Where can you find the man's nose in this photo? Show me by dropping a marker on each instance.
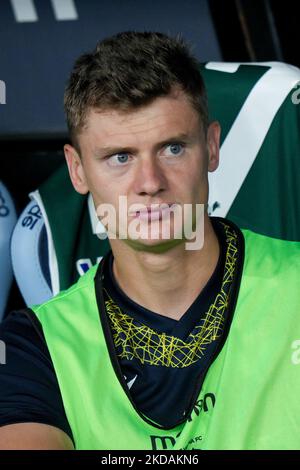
(149, 177)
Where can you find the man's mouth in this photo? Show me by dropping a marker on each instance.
(154, 212)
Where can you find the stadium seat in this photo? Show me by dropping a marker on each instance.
(56, 239)
(8, 219)
(256, 184)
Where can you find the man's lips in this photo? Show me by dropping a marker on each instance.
(154, 212)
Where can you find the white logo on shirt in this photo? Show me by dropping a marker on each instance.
(131, 382)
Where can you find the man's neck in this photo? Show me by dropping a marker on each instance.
(166, 283)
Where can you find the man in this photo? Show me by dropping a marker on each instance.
(160, 346)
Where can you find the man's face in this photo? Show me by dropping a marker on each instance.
(157, 154)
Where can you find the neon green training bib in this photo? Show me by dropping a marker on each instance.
(250, 396)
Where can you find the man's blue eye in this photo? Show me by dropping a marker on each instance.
(122, 157)
(175, 148)
(119, 159)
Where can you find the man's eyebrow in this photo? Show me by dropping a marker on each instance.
(103, 151)
(183, 137)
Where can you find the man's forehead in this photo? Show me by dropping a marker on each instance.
(163, 113)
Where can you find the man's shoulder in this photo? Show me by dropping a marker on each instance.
(271, 255)
(266, 256)
(83, 288)
(269, 243)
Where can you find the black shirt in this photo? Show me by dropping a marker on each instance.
(162, 391)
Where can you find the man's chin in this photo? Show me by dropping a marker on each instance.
(153, 245)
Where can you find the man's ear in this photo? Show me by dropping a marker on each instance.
(213, 145)
(76, 170)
